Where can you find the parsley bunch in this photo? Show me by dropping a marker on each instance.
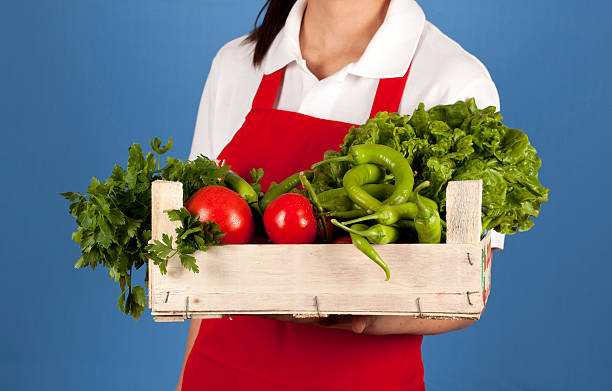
(114, 219)
(191, 235)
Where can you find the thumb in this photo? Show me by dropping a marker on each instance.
(361, 323)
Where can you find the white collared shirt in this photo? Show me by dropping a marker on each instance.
(442, 72)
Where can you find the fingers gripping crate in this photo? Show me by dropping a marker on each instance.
(444, 281)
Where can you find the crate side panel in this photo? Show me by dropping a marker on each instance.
(463, 211)
(286, 278)
(175, 316)
(428, 303)
(165, 195)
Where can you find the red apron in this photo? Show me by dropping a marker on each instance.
(251, 353)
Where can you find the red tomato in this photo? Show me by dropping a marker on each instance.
(226, 208)
(289, 219)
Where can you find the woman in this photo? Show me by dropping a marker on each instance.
(278, 99)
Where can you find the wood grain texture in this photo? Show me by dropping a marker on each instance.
(463, 212)
(166, 319)
(442, 281)
(165, 195)
(286, 278)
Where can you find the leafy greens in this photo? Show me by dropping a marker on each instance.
(457, 142)
(114, 219)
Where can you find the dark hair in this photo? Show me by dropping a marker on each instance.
(273, 21)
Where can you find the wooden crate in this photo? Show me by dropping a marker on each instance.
(443, 281)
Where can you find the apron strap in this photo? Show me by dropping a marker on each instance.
(389, 94)
(266, 93)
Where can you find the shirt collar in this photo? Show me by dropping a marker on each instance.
(397, 38)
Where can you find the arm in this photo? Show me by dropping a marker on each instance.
(389, 324)
(194, 328)
(486, 93)
(381, 324)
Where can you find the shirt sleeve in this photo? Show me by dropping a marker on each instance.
(483, 90)
(485, 93)
(202, 143)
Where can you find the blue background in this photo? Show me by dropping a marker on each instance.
(80, 80)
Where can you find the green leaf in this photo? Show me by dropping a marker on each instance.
(121, 301)
(189, 262)
(513, 147)
(156, 146)
(178, 214)
(115, 217)
(186, 247)
(160, 250)
(201, 244)
(150, 165)
(162, 267)
(85, 220)
(166, 147)
(102, 204)
(105, 235)
(81, 263)
(135, 165)
(140, 297)
(94, 183)
(87, 240)
(132, 307)
(118, 176)
(256, 174)
(189, 232)
(132, 227)
(167, 240)
(70, 196)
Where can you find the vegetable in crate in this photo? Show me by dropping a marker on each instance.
(365, 247)
(353, 182)
(289, 219)
(285, 186)
(242, 187)
(338, 199)
(455, 142)
(378, 233)
(386, 158)
(114, 219)
(427, 223)
(226, 208)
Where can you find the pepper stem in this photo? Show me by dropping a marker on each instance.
(422, 207)
(349, 214)
(421, 186)
(331, 160)
(315, 200)
(347, 229)
(364, 218)
(311, 192)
